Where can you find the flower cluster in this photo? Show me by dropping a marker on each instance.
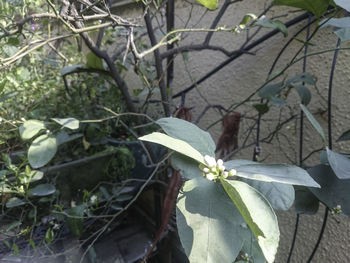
(215, 169)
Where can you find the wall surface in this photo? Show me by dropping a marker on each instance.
(240, 78)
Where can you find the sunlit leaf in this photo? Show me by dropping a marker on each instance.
(210, 4)
(30, 128)
(42, 190)
(317, 7)
(274, 24)
(70, 123)
(42, 150)
(339, 163)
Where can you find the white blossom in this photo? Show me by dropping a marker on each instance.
(210, 176)
(210, 161)
(206, 170)
(232, 172)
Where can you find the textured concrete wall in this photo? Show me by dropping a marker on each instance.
(240, 78)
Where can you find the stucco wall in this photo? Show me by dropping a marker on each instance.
(240, 78)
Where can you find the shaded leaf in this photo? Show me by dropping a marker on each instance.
(210, 4)
(210, 227)
(187, 167)
(344, 137)
(275, 24)
(30, 128)
(190, 133)
(42, 150)
(14, 202)
(174, 144)
(270, 90)
(343, 34)
(63, 137)
(317, 7)
(70, 123)
(305, 201)
(343, 22)
(314, 122)
(261, 108)
(304, 94)
(277, 101)
(42, 190)
(75, 220)
(339, 163)
(71, 69)
(345, 4)
(257, 213)
(93, 61)
(280, 173)
(303, 78)
(333, 191)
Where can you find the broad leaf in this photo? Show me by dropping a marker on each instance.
(277, 101)
(258, 214)
(251, 247)
(42, 150)
(30, 128)
(314, 122)
(280, 173)
(280, 196)
(93, 61)
(174, 144)
(75, 220)
(305, 201)
(70, 123)
(339, 163)
(14, 202)
(270, 90)
(190, 133)
(333, 191)
(304, 94)
(317, 7)
(36, 175)
(210, 227)
(275, 24)
(345, 4)
(187, 167)
(210, 4)
(344, 137)
(42, 190)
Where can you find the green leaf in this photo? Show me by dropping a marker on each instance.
(344, 137)
(210, 4)
(345, 4)
(258, 214)
(42, 150)
(8, 95)
(343, 34)
(30, 128)
(71, 69)
(174, 144)
(301, 79)
(261, 108)
(251, 247)
(304, 94)
(343, 22)
(63, 137)
(49, 236)
(70, 123)
(36, 175)
(187, 167)
(314, 122)
(317, 7)
(280, 196)
(339, 163)
(42, 190)
(210, 227)
(245, 20)
(190, 133)
(333, 191)
(75, 220)
(14, 202)
(270, 90)
(305, 201)
(93, 61)
(280, 173)
(277, 101)
(275, 24)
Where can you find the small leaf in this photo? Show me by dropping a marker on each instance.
(13, 225)
(270, 90)
(343, 22)
(314, 122)
(42, 150)
(258, 214)
(274, 24)
(30, 128)
(339, 163)
(304, 94)
(75, 220)
(174, 144)
(305, 201)
(70, 123)
(344, 137)
(245, 20)
(210, 4)
(14, 202)
(345, 4)
(93, 61)
(49, 236)
(261, 108)
(190, 133)
(42, 190)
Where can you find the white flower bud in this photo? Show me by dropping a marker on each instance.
(213, 169)
(210, 161)
(232, 172)
(220, 162)
(225, 174)
(206, 170)
(210, 176)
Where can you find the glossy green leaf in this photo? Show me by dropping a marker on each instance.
(305, 201)
(42, 150)
(187, 167)
(70, 123)
(75, 220)
(270, 90)
(42, 190)
(280, 173)
(333, 191)
(93, 61)
(174, 144)
(30, 128)
(14, 202)
(314, 122)
(345, 4)
(304, 94)
(280, 196)
(344, 137)
(210, 4)
(210, 227)
(190, 133)
(258, 214)
(274, 24)
(317, 7)
(339, 163)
